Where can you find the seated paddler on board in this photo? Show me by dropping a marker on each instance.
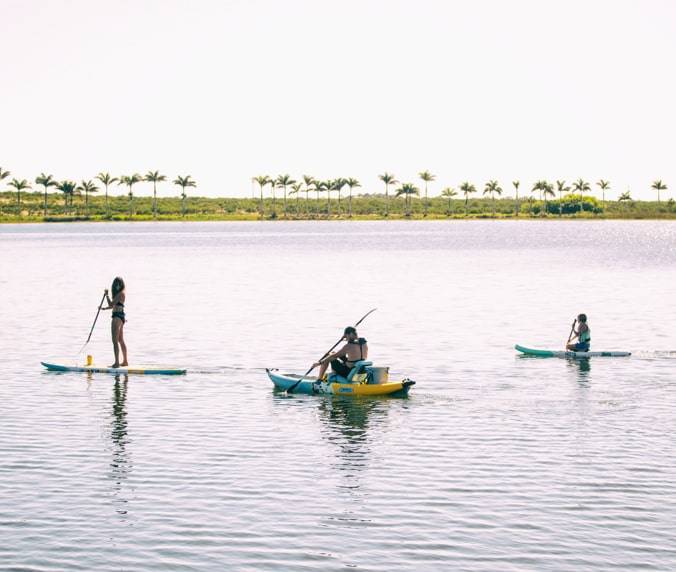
(342, 361)
(582, 333)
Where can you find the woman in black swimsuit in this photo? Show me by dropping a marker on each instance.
(116, 304)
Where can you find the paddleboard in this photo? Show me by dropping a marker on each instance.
(568, 354)
(138, 370)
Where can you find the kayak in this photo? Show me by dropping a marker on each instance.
(139, 370)
(311, 385)
(568, 354)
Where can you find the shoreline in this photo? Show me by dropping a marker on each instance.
(359, 218)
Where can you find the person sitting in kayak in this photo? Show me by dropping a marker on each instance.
(342, 361)
(583, 335)
(116, 304)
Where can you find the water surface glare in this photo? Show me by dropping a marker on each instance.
(494, 462)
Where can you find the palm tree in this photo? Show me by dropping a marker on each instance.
(467, 188)
(624, 198)
(449, 193)
(284, 181)
(309, 182)
(562, 189)
(492, 188)
(184, 182)
(107, 180)
(68, 190)
(272, 182)
(516, 185)
(547, 190)
(87, 187)
(320, 187)
(604, 186)
(296, 188)
(352, 183)
(408, 190)
(46, 181)
(658, 186)
(154, 177)
(338, 185)
(581, 186)
(4, 174)
(388, 179)
(130, 181)
(427, 177)
(328, 186)
(21, 185)
(262, 180)
(537, 187)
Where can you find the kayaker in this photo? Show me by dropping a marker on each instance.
(116, 304)
(343, 360)
(583, 335)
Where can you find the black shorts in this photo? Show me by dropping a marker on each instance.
(340, 368)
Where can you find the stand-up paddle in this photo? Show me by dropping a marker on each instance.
(290, 390)
(570, 336)
(89, 337)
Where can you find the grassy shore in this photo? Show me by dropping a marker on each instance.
(363, 207)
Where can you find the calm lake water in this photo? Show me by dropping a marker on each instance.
(494, 462)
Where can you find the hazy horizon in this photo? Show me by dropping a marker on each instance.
(224, 91)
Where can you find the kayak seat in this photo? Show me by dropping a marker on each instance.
(355, 374)
(358, 369)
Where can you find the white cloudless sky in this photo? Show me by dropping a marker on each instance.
(225, 90)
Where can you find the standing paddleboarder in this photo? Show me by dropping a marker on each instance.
(116, 304)
(582, 333)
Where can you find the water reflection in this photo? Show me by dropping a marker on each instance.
(350, 425)
(119, 465)
(581, 368)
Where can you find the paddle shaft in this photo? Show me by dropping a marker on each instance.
(89, 337)
(328, 352)
(572, 329)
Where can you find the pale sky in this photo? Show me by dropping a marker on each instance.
(225, 90)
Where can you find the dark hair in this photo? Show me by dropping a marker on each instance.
(350, 330)
(582, 318)
(117, 287)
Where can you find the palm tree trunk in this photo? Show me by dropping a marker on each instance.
(387, 200)
(284, 201)
(350, 204)
(426, 203)
(493, 203)
(45, 200)
(154, 200)
(107, 208)
(328, 203)
(466, 198)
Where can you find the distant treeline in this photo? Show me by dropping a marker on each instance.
(360, 207)
(310, 198)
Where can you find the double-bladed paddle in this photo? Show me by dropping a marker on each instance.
(89, 337)
(328, 352)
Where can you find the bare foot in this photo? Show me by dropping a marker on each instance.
(124, 364)
(115, 365)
